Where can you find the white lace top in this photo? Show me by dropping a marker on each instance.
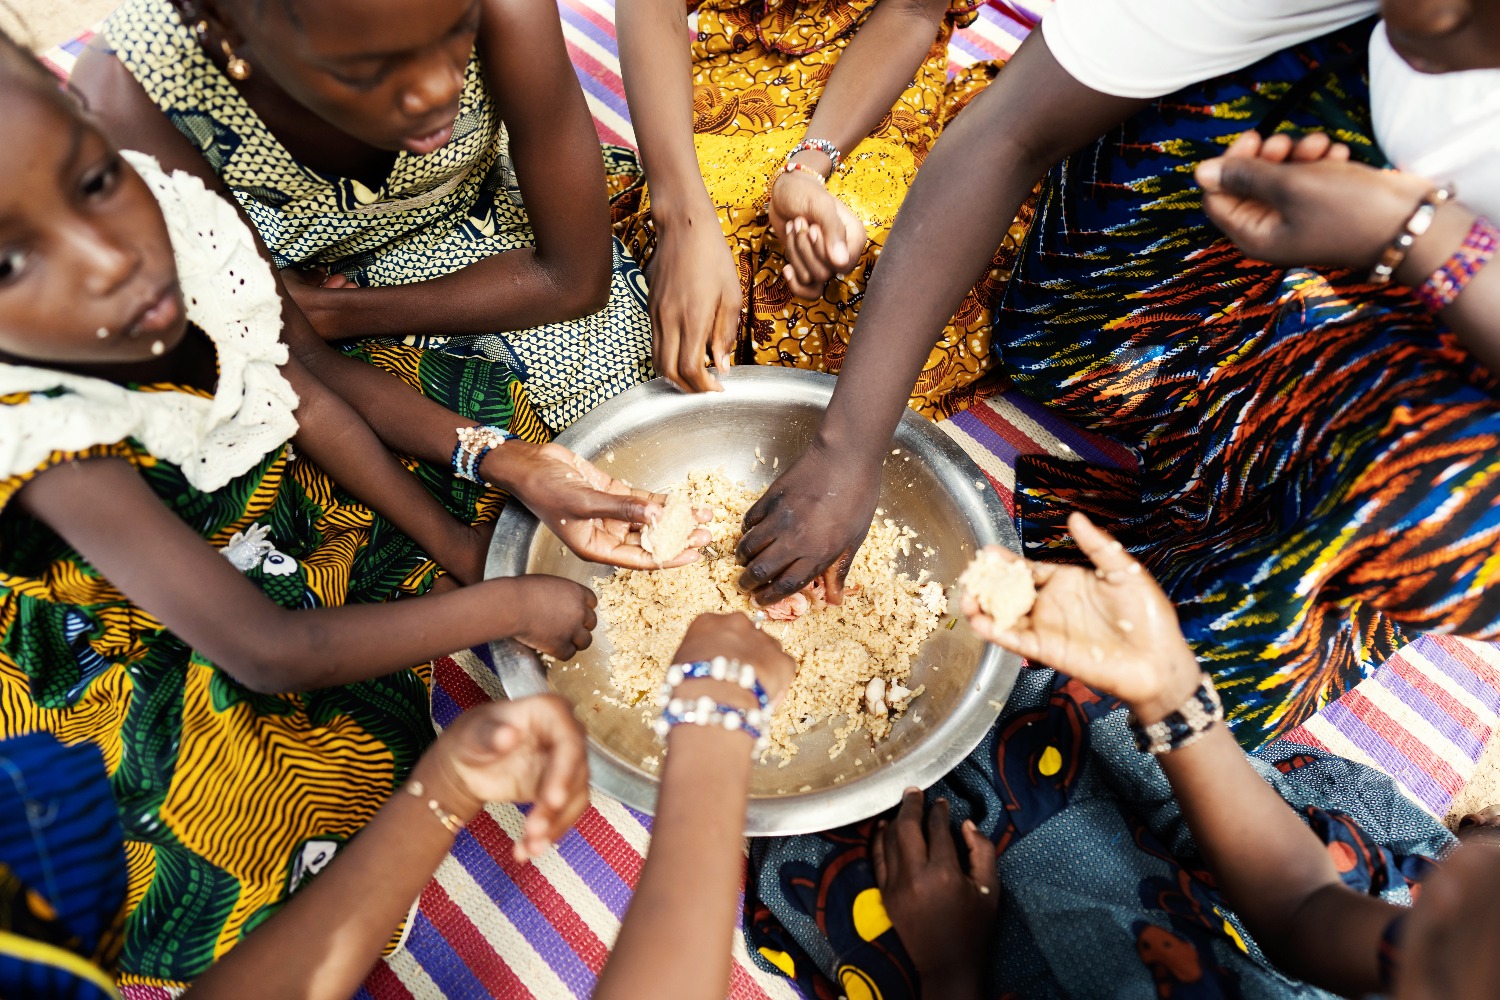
(231, 295)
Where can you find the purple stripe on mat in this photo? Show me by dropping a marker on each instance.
(1460, 673)
(452, 975)
(444, 708)
(597, 88)
(640, 817)
(596, 873)
(586, 24)
(1431, 713)
(534, 926)
(1391, 760)
(968, 421)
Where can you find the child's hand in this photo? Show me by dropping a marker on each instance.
(1304, 203)
(695, 302)
(1111, 627)
(734, 636)
(942, 915)
(820, 236)
(596, 515)
(557, 615)
(531, 750)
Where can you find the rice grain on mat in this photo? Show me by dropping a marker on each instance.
(839, 650)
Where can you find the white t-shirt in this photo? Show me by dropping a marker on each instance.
(1443, 126)
(1150, 48)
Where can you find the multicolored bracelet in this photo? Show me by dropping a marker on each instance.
(828, 149)
(805, 169)
(473, 444)
(1444, 284)
(1417, 223)
(1183, 727)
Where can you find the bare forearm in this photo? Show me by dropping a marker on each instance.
(309, 649)
(514, 290)
(1473, 315)
(873, 71)
(676, 937)
(954, 216)
(656, 63)
(1274, 871)
(319, 947)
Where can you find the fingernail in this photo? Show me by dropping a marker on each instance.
(1209, 172)
(801, 225)
(969, 826)
(786, 272)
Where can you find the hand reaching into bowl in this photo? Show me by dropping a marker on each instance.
(596, 515)
(1111, 627)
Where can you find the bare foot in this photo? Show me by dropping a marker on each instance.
(1482, 825)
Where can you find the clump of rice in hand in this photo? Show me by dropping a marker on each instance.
(854, 660)
(668, 537)
(1002, 587)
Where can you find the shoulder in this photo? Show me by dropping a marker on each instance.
(1150, 48)
(85, 469)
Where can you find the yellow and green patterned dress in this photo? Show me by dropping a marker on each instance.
(759, 69)
(229, 799)
(433, 215)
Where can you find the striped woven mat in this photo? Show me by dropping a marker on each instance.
(487, 927)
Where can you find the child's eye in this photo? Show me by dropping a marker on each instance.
(361, 82)
(12, 263)
(98, 183)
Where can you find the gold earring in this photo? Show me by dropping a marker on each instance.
(238, 68)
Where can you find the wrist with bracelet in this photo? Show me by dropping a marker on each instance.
(1416, 225)
(828, 149)
(1451, 277)
(1183, 726)
(707, 711)
(474, 443)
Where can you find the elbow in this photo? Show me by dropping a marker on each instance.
(273, 661)
(582, 291)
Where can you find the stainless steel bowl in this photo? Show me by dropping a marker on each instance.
(652, 436)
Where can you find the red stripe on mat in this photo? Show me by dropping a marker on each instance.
(470, 945)
(383, 982)
(606, 840)
(1403, 739)
(1459, 650)
(742, 986)
(1437, 694)
(448, 675)
(542, 893)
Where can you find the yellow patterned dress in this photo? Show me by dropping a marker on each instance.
(229, 799)
(758, 71)
(433, 215)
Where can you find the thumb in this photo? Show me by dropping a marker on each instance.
(981, 859)
(824, 214)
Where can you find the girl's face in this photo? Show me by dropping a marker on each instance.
(388, 73)
(86, 269)
(1444, 36)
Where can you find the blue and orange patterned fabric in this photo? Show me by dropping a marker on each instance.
(1101, 889)
(1319, 459)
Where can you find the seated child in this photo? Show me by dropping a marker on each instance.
(779, 139)
(1097, 869)
(198, 540)
(675, 940)
(63, 881)
(421, 172)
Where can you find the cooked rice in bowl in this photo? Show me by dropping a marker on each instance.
(854, 660)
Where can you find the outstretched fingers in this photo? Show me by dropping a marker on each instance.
(1111, 561)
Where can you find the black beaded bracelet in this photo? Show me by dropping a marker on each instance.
(1182, 727)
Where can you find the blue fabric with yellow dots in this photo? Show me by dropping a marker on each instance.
(1101, 889)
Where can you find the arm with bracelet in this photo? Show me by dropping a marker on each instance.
(676, 937)
(1305, 204)
(820, 237)
(1272, 869)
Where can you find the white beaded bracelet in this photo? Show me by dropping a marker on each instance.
(704, 711)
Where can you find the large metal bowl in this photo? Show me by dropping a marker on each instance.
(652, 436)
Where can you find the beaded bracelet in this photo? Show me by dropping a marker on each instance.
(1444, 284)
(704, 711)
(828, 149)
(805, 169)
(1417, 223)
(1183, 727)
(473, 444)
(720, 669)
(450, 821)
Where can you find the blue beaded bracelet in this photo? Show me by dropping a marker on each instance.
(704, 711)
(719, 668)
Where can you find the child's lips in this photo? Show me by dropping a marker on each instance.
(421, 145)
(161, 315)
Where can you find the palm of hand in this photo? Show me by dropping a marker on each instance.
(1106, 631)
